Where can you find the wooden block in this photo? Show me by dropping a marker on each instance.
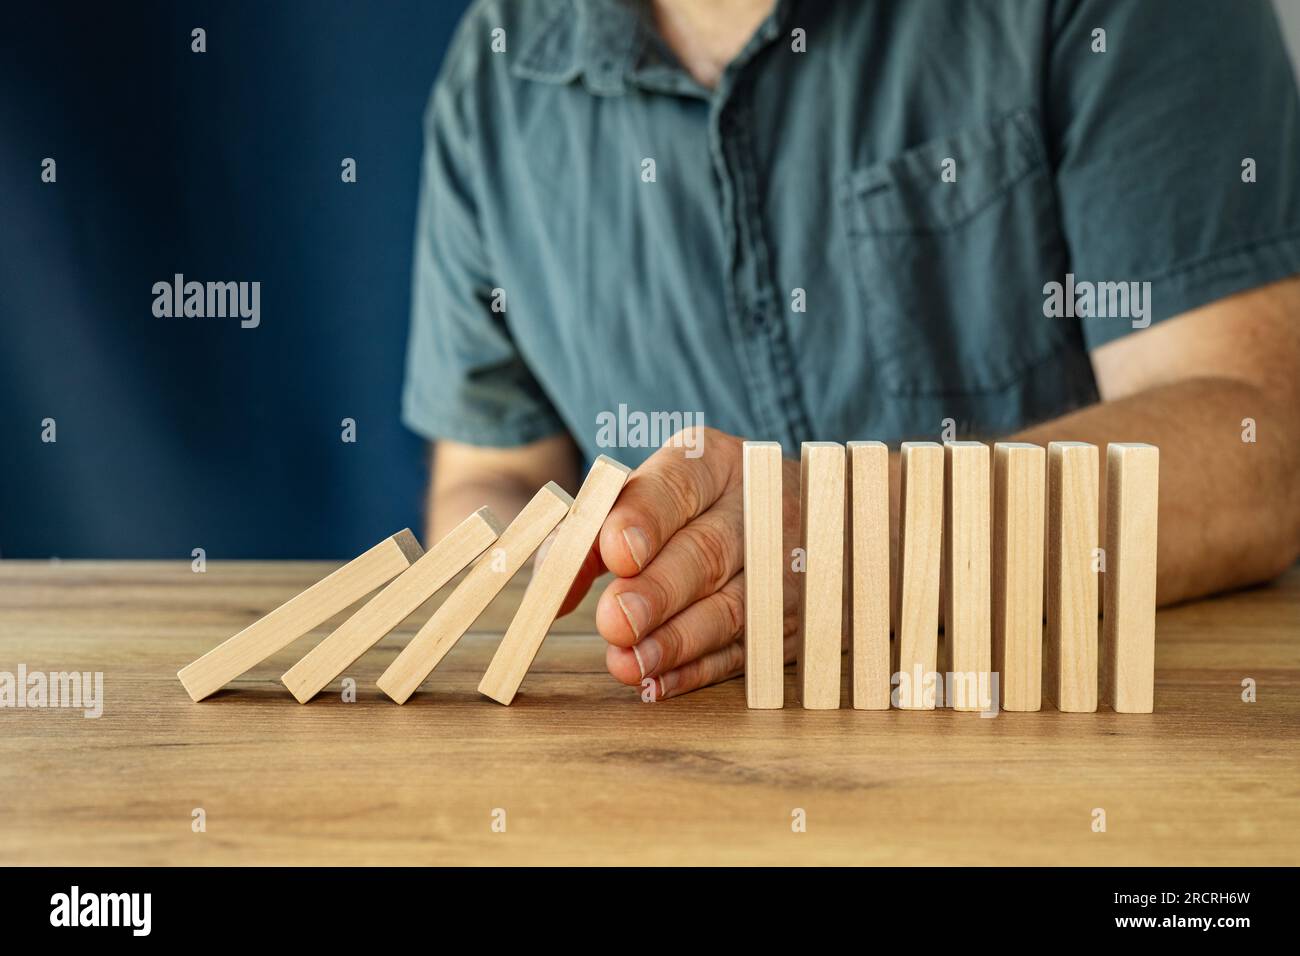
(300, 614)
(868, 489)
(1128, 644)
(464, 605)
(967, 648)
(916, 587)
(1070, 645)
(764, 576)
(1019, 503)
(391, 606)
(821, 586)
(551, 582)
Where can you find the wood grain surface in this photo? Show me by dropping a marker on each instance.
(587, 772)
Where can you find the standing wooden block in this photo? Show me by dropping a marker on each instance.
(1019, 502)
(764, 576)
(821, 591)
(1070, 647)
(916, 587)
(551, 582)
(464, 605)
(300, 614)
(868, 483)
(1128, 645)
(967, 647)
(391, 606)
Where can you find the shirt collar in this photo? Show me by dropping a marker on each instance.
(603, 43)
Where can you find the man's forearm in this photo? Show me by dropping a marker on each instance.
(1228, 507)
(466, 478)
(450, 504)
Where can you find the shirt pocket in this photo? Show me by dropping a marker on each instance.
(950, 274)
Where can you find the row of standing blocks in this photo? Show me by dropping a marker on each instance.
(1003, 535)
(984, 534)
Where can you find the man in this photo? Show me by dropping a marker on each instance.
(1052, 220)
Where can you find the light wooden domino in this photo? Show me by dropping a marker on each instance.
(764, 576)
(300, 614)
(821, 604)
(1070, 645)
(916, 588)
(868, 491)
(472, 596)
(967, 651)
(1128, 644)
(1019, 503)
(551, 582)
(328, 659)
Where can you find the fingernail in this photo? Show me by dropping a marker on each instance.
(648, 655)
(667, 684)
(638, 544)
(636, 610)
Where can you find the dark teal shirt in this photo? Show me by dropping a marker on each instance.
(852, 236)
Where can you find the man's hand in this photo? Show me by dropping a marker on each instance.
(676, 540)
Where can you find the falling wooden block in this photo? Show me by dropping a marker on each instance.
(1128, 644)
(1019, 494)
(916, 588)
(472, 596)
(1070, 646)
(967, 649)
(300, 614)
(764, 576)
(868, 490)
(821, 603)
(391, 606)
(551, 581)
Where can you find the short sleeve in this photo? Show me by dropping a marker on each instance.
(465, 379)
(1177, 150)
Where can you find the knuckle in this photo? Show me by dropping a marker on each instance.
(691, 675)
(675, 645)
(681, 484)
(731, 609)
(722, 664)
(710, 550)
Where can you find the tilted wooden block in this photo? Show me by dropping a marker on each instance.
(300, 614)
(868, 489)
(1128, 644)
(391, 606)
(967, 648)
(1070, 646)
(764, 576)
(551, 581)
(1019, 502)
(472, 596)
(821, 604)
(916, 588)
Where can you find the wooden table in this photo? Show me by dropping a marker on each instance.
(587, 773)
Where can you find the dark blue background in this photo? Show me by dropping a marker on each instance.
(186, 432)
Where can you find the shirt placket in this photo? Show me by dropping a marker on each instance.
(754, 302)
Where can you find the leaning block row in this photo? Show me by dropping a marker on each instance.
(410, 576)
(1000, 539)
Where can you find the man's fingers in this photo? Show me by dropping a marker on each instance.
(717, 666)
(705, 626)
(695, 563)
(664, 494)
